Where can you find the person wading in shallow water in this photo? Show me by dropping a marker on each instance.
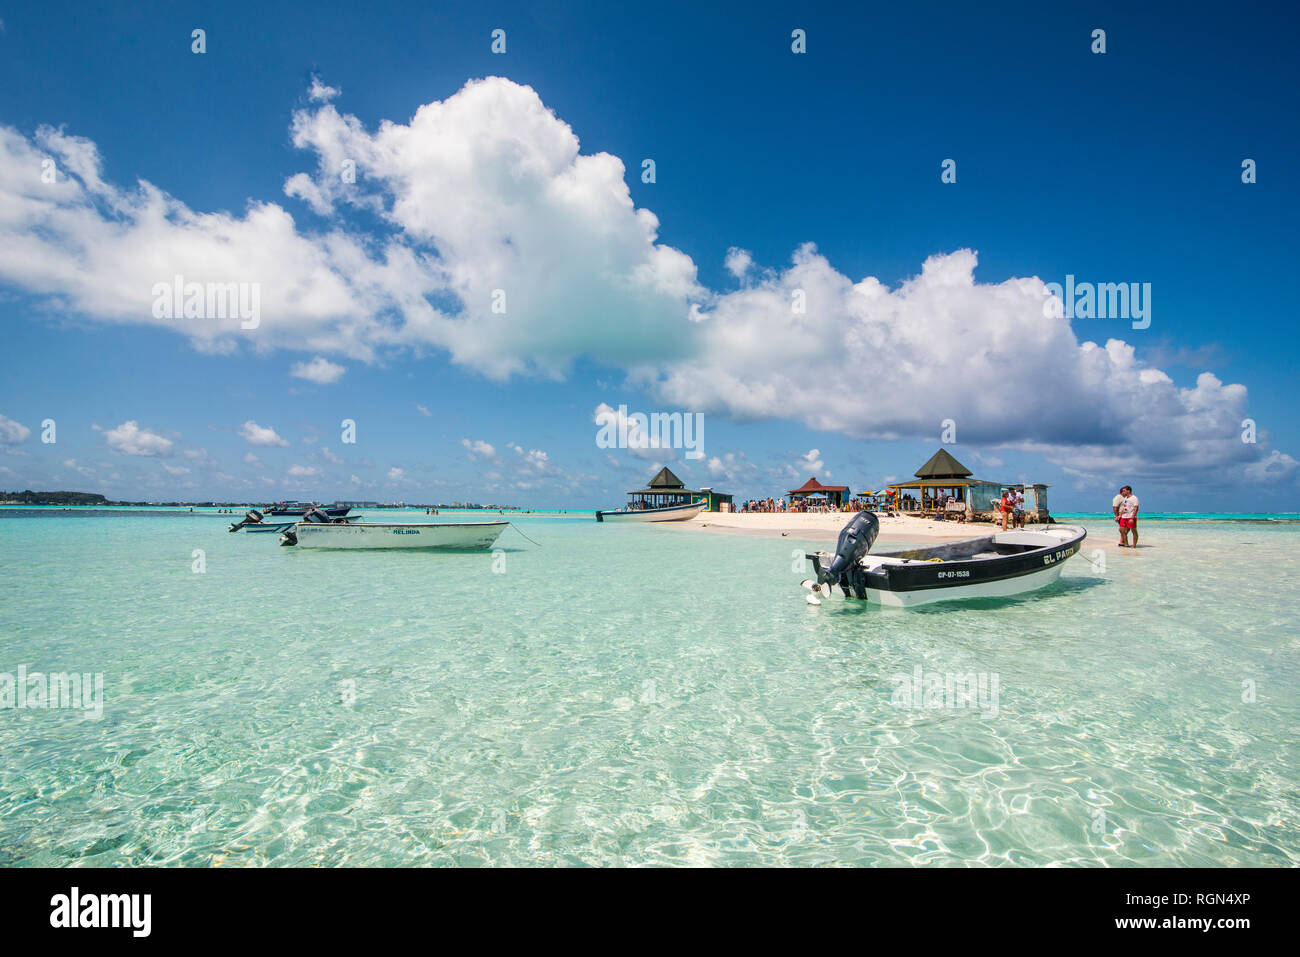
(1128, 516)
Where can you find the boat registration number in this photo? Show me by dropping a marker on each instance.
(965, 574)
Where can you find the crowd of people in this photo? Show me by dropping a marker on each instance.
(802, 505)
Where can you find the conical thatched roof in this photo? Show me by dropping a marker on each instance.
(666, 479)
(942, 465)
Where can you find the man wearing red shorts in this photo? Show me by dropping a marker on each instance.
(1128, 516)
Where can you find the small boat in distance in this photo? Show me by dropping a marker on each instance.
(480, 535)
(298, 509)
(991, 566)
(667, 499)
(669, 513)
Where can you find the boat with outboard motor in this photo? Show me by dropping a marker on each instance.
(297, 510)
(670, 513)
(340, 533)
(255, 521)
(267, 527)
(991, 566)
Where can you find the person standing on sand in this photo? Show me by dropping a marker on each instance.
(1128, 517)
(1114, 507)
(1005, 506)
(1018, 506)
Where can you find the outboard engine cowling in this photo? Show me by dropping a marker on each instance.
(254, 517)
(317, 516)
(856, 539)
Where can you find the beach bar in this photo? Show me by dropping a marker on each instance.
(835, 495)
(944, 476)
(665, 489)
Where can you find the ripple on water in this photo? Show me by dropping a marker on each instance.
(636, 696)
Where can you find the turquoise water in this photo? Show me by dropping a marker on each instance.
(637, 695)
(1190, 516)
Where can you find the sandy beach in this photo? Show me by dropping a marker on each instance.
(825, 526)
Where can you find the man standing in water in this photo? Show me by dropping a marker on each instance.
(1127, 511)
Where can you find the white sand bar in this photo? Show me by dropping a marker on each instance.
(825, 526)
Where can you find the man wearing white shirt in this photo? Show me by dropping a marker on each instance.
(1114, 507)
(1128, 516)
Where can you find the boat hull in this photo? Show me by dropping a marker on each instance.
(994, 588)
(674, 513)
(458, 535)
(994, 566)
(269, 527)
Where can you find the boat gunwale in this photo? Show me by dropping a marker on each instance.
(399, 524)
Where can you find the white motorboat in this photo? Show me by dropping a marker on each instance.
(991, 566)
(671, 513)
(394, 535)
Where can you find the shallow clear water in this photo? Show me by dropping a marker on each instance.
(637, 695)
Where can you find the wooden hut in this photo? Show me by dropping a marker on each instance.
(665, 489)
(835, 494)
(944, 476)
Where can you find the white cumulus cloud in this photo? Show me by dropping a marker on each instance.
(479, 449)
(319, 370)
(260, 435)
(508, 249)
(130, 439)
(11, 432)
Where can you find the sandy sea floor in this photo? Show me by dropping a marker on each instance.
(641, 694)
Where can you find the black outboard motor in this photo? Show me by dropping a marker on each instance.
(317, 516)
(254, 517)
(856, 539)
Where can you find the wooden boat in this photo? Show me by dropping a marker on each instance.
(394, 535)
(670, 513)
(991, 566)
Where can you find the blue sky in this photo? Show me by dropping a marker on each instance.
(1118, 167)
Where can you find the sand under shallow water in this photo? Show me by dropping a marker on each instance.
(641, 694)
